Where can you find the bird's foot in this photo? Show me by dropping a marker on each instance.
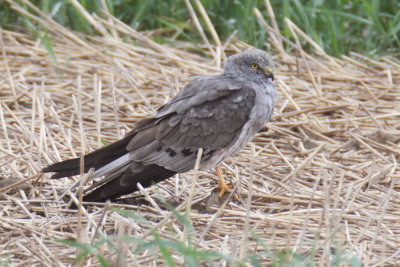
(224, 188)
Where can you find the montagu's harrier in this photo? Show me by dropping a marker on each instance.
(219, 113)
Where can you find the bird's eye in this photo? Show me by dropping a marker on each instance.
(254, 66)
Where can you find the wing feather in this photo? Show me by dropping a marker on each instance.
(209, 113)
(213, 125)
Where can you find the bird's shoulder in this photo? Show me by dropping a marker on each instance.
(200, 90)
(212, 120)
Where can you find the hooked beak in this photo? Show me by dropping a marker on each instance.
(269, 73)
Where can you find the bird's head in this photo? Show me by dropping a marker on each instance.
(254, 64)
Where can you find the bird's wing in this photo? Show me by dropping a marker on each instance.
(199, 91)
(168, 143)
(213, 124)
(208, 114)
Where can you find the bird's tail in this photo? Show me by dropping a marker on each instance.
(125, 181)
(96, 159)
(121, 174)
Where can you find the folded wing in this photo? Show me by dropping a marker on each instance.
(207, 113)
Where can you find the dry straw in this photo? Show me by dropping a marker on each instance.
(324, 170)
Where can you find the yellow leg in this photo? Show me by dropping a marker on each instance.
(223, 187)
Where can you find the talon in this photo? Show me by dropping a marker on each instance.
(223, 187)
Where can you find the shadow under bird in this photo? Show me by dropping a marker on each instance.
(218, 113)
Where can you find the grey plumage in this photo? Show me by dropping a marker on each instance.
(219, 113)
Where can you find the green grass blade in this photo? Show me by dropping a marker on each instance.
(166, 254)
(48, 45)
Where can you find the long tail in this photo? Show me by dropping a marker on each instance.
(121, 174)
(126, 182)
(95, 159)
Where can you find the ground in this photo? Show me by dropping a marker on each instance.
(320, 182)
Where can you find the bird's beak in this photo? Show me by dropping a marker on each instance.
(268, 72)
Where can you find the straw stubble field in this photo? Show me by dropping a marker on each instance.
(322, 177)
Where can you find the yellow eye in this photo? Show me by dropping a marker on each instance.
(254, 66)
(269, 70)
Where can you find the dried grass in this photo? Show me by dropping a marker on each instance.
(325, 173)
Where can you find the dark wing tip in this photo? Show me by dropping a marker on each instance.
(48, 168)
(63, 169)
(127, 183)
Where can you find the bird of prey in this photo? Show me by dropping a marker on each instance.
(218, 113)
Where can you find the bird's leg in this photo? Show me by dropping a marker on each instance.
(223, 187)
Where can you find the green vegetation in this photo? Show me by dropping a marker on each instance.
(191, 254)
(7, 261)
(369, 27)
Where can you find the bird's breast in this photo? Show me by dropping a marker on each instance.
(264, 103)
